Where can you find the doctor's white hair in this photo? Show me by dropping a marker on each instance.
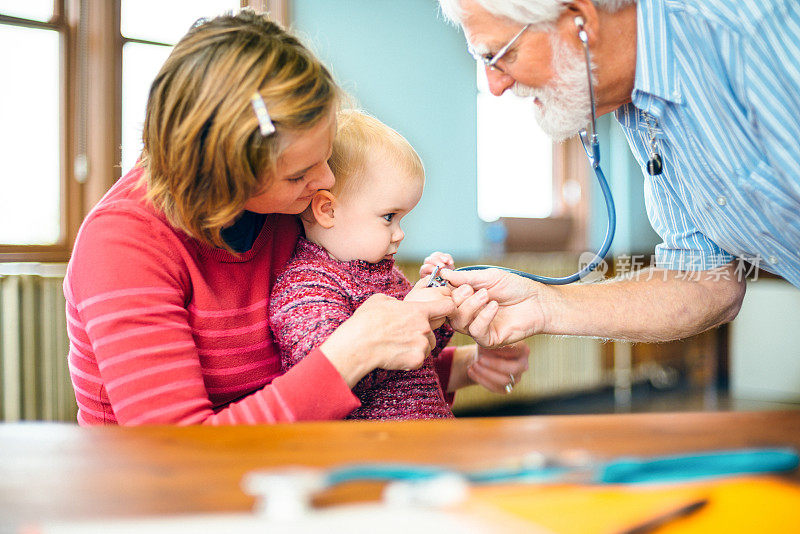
(538, 13)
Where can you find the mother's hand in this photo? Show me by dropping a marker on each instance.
(384, 333)
(422, 293)
(499, 369)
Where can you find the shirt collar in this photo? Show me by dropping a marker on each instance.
(656, 75)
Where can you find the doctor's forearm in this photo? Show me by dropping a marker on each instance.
(654, 305)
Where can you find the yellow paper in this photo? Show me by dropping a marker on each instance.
(754, 504)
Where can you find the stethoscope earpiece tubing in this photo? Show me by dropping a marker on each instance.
(599, 256)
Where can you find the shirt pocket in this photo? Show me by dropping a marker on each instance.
(772, 202)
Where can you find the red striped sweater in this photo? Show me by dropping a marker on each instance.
(165, 330)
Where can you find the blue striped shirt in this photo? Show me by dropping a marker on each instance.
(719, 83)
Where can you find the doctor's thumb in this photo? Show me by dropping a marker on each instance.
(476, 279)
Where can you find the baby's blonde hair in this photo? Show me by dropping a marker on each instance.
(204, 154)
(358, 135)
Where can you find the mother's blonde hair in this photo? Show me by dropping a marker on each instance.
(203, 150)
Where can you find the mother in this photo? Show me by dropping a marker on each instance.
(167, 289)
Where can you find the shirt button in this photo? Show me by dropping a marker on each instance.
(722, 200)
(773, 260)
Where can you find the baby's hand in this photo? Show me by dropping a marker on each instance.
(421, 293)
(437, 259)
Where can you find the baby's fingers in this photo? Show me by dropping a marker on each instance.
(440, 259)
(426, 269)
(446, 261)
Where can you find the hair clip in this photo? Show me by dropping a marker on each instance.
(264, 121)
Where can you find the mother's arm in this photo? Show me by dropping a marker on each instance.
(308, 306)
(128, 296)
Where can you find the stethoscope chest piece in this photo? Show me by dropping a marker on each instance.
(655, 165)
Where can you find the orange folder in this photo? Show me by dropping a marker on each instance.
(747, 504)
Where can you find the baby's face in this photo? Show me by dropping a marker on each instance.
(367, 221)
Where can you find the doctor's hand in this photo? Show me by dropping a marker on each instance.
(496, 307)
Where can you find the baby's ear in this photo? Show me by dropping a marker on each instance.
(322, 207)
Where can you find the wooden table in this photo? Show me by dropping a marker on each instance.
(56, 471)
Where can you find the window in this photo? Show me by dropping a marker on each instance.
(33, 38)
(30, 206)
(529, 189)
(514, 155)
(76, 74)
(147, 41)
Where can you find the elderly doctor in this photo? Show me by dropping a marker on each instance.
(708, 95)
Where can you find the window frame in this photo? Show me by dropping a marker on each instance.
(91, 113)
(70, 191)
(565, 229)
(92, 50)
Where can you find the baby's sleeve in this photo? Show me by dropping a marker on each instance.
(443, 335)
(306, 306)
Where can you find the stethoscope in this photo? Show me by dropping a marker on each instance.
(279, 490)
(591, 146)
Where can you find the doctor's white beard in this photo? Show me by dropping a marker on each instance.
(565, 103)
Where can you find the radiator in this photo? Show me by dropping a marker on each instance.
(558, 366)
(35, 382)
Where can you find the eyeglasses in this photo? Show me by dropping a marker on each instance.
(491, 60)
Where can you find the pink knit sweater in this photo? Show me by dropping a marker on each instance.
(316, 294)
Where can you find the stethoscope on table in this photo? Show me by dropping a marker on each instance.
(591, 146)
(283, 489)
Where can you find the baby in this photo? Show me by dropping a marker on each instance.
(352, 233)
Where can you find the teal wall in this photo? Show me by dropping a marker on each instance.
(408, 67)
